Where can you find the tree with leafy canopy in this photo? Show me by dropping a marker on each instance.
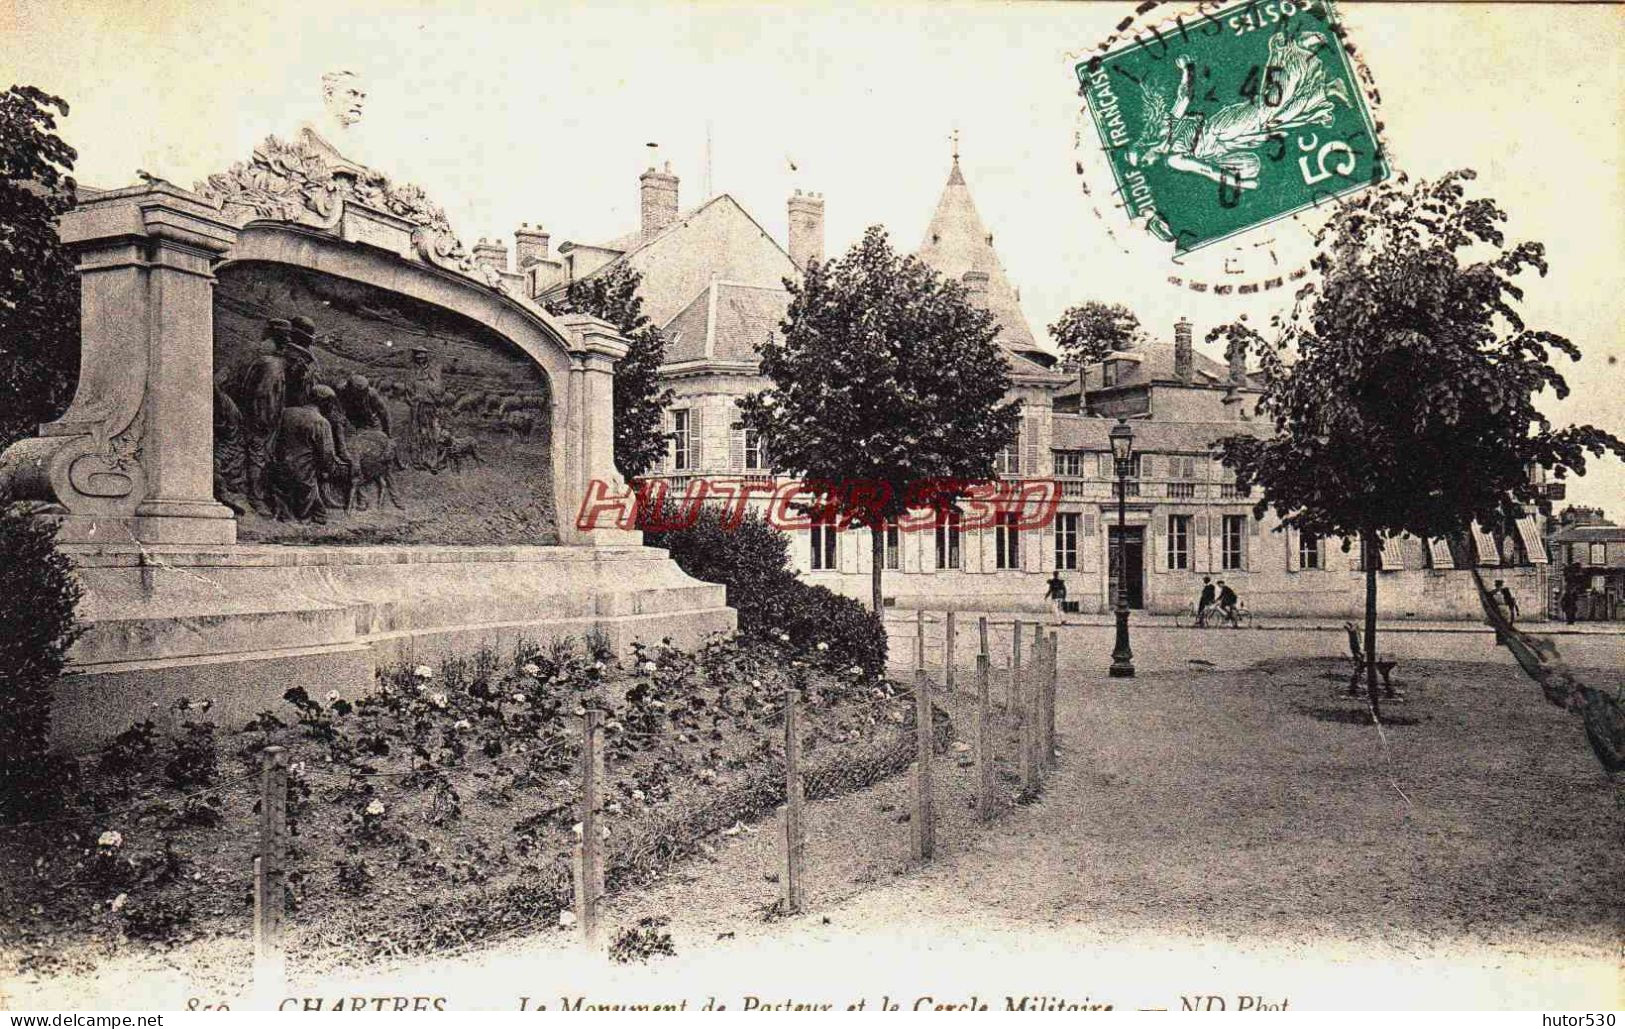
(39, 289)
(1402, 386)
(1091, 331)
(884, 374)
(612, 295)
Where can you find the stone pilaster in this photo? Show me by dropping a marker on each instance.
(590, 452)
(133, 457)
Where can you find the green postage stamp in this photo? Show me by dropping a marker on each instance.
(1232, 120)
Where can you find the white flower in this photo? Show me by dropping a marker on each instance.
(461, 723)
(376, 808)
(650, 667)
(576, 829)
(532, 670)
(566, 919)
(112, 839)
(857, 669)
(332, 696)
(518, 698)
(423, 672)
(437, 699)
(784, 637)
(756, 684)
(119, 902)
(823, 646)
(598, 665)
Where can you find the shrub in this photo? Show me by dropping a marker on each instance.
(752, 560)
(38, 594)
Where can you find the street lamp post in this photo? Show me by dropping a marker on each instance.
(1122, 440)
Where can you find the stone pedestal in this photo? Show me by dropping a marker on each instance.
(132, 460)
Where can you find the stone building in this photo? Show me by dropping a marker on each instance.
(712, 278)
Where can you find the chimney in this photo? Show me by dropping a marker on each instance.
(976, 286)
(1184, 360)
(658, 190)
(491, 255)
(806, 228)
(1237, 354)
(529, 245)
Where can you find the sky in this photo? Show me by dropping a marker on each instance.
(515, 110)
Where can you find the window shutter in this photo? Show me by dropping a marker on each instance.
(864, 557)
(1354, 555)
(1159, 554)
(1106, 469)
(1031, 555)
(1148, 466)
(1029, 432)
(1292, 543)
(987, 543)
(668, 421)
(736, 449)
(695, 454)
(1088, 543)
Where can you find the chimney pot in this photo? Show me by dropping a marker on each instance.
(658, 193)
(530, 245)
(491, 255)
(806, 228)
(975, 284)
(1184, 358)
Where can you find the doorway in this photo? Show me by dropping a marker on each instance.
(1126, 543)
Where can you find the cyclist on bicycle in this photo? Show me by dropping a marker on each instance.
(1227, 604)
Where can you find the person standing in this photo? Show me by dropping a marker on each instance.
(304, 457)
(1056, 594)
(1204, 601)
(1504, 596)
(261, 391)
(424, 394)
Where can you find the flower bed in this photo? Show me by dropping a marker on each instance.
(441, 809)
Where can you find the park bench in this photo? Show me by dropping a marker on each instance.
(1386, 663)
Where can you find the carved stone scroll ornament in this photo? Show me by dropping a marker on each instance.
(306, 181)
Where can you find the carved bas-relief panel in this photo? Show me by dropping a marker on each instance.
(345, 413)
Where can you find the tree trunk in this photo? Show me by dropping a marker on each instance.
(1369, 553)
(877, 541)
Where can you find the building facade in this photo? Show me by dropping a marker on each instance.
(713, 279)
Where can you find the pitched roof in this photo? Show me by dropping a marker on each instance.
(1591, 534)
(726, 322)
(957, 242)
(1085, 432)
(718, 240)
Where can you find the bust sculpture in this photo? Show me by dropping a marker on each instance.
(344, 99)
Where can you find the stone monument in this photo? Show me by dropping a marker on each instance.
(300, 335)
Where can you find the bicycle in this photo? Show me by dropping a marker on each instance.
(1186, 618)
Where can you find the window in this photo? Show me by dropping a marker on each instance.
(1179, 542)
(1235, 542)
(1069, 463)
(823, 543)
(1108, 373)
(1181, 466)
(1598, 555)
(1066, 542)
(948, 534)
(753, 451)
(1309, 551)
(681, 456)
(1009, 460)
(893, 552)
(1007, 541)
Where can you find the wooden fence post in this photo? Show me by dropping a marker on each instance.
(985, 774)
(1054, 677)
(589, 866)
(948, 654)
(794, 824)
(922, 823)
(919, 641)
(981, 630)
(1027, 739)
(1015, 666)
(270, 963)
(1038, 693)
